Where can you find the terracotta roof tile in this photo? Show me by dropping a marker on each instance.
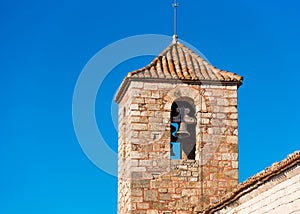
(179, 62)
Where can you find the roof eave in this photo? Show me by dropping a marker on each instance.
(122, 90)
(126, 82)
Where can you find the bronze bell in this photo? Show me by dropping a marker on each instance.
(183, 131)
(184, 119)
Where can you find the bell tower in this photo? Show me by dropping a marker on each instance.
(178, 134)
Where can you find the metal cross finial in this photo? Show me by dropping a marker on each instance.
(175, 5)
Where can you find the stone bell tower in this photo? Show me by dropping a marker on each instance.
(178, 134)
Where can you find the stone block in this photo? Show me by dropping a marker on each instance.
(136, 199)
(152, 212)
(147, 113)
(217, 122)
(147, 147)
(135, 113)
(145, 163)
(234, 148)
(233, 116)
(133, 162)
(143, 206)
(181, 212)
(157, 126)
(138, 155)
(231, 174)
(185, 173)
(230, 93)
(134, 106)
(155, 119)
(153, 107)
(233, 101)
(195, 174)
(150, 100)
(231, 87)
(140, 183)
(139, 126)
(205, 121)
(221, 115)
(135, 84)
(224, 148)
(233, 123)
(137, 175)
(134, 92)
(193, 179)
(138, 169)
(155, 94)
(228, 157)
(150, 86)
(232, 139)
(162, 190)
(182, 167)
(138, 100)
(145, 94)
(222, 102)
(158, 206)
(164, 196)
(134, 134)
(139, 212)
(136, 192)
(151, 195)
(218, 93)
(230, 109)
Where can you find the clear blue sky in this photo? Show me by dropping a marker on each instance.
(44, 46)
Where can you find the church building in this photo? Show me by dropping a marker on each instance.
(178, 143)
(178, 134)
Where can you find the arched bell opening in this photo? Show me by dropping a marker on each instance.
(183, 129)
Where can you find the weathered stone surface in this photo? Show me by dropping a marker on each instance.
(151, 195)
(143, 206)
(140, 183)
(150, 86)
(164, 196)
(139, 212)
(152, 212)
(280, 195)
(136, 192)
(152, 183)
(137, 84)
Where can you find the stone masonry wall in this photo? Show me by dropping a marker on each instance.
(281, 194)
(151, 183)
(124, 150)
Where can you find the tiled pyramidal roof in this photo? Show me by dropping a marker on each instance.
(180, 63)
